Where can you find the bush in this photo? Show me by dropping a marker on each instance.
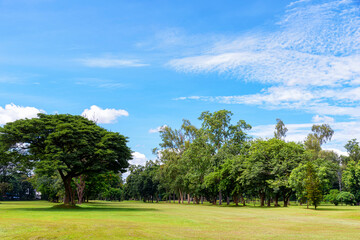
(346, 197)
(113, 194)
(332, 197)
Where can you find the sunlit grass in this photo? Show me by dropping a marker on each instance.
(136, 220)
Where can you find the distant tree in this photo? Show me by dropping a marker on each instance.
(351, 179)
(312, 185)
(312, 144)
(285, 157)
(71, 145)
(224, 137)
(280, 130)
(133, 181)
(353, 150)
(258, 169)
(322, 132)
(332, 197)
(50, 187)
(346, 197)
(326, 173)
(198, 160)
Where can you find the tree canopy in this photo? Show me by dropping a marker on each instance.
(71, 145)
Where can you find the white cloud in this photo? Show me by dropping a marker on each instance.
(12, 112)
(339, 152)
(322, 119)
(111, 62)
(108, 115)
(158, 129)
(138, 159)
(312, 60)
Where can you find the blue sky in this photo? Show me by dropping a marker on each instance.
(135, 66)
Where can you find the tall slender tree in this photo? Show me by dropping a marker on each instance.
(280, 130)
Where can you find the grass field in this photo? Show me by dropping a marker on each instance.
(135, 220)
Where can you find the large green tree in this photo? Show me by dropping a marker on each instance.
(71, 145)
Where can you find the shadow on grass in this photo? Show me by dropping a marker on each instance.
(59, 208)
(334, 209)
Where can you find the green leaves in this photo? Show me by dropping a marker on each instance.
(71, 145)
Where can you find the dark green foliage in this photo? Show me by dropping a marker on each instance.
(71, 145)
(351, 179)
(143, 182)
(50, 187)
(113, 194)
(332, 197)
(346, 198)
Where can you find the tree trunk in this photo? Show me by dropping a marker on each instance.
(80, 187)
(277, 200)
(339, 179)
(181, 197)
(243, 200)
(227, 200)
(214, 200)
(202, 199)
(236, 200)
(68, 189)
(287, 199)
(269, 201)
(188, 198)
(220, 198)
(262, 198)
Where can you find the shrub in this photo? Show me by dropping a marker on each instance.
(332, 197)
(346, 197)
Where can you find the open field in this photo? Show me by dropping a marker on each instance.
(135, 220)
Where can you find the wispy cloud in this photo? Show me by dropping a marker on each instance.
(312, 60)
(9, 79)
(107, 115)
(101, 83)
(344, 131)
(111, 62)
(323, 101)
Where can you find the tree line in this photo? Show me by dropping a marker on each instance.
(72, 159)
(220, 162)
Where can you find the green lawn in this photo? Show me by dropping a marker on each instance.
(135, 220)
